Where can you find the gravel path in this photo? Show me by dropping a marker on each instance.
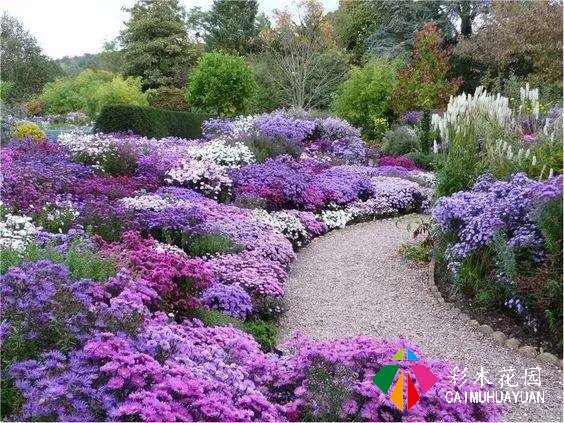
(353, 281)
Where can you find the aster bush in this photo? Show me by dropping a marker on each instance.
(493, 241)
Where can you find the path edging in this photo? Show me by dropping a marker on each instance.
(497, 337)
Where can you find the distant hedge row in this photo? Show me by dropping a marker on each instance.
(150, 122)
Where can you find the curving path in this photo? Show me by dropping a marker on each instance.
(353, 281)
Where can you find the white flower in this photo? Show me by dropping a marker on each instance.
(281, 221)
(16, 231)
(204, 176)
(223, 152)
(336, 218)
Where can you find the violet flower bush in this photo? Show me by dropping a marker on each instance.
(496, 225)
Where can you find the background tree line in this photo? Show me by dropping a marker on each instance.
(382, 56)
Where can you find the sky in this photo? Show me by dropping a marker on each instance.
(74, 27)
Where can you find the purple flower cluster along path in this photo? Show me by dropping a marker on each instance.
(354, 282)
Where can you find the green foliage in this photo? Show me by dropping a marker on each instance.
(24, 67)
(303, 62)
(6, 88)
(422, 160)
(400, 141)
(150, 122)
(90, 91)
(424, 84)
(82, 261)
(425, 132)
(28, 129)
(381, 126)
(354, 22)
(155, 43)
(268, 147)
(268, 95)
(206, 245)
(365, 96)
(231, 26)
(222, 84)
(214, 318)
(109, 59)
(418, 252)
(117, 91)
(167, 98)
(265, 333)
(55, 220)
(330, 386)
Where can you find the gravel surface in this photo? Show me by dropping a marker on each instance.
(353, 281)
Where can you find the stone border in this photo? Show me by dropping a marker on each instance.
(498, 337)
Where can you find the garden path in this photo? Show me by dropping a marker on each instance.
(353, 281)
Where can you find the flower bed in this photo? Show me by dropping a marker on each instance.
(112, 244)
(510, 231)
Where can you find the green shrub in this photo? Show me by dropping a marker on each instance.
(90, 91)
(268, 147)
(214, 318)
(265, 333)
(549, 218)
(167, 98)
(203, 245)
(418, 252)
(422, 160)
(82, 261)
(28, 129)
(117, 91)
(400, 141)
(222, 84)
(365, 96)
(150, 122)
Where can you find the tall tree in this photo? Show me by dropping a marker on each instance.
(232, 26)
(303, 60)
(156, 45)
(520, 36)
(23, 64)
(354, 22)
(424, 84)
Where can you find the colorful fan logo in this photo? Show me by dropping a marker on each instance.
(425, 379)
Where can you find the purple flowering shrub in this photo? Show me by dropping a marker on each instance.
(313, 371)
(230, 299)
(329, 138)
(493, 242)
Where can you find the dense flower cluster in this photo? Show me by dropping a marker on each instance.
(81, 344)
(322, 138)
(493, 212)
(491, 207)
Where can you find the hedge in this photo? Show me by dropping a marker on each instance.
(150, 122)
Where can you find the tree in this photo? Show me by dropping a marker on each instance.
(23, 63)
(89, 91)
(365, 95)
(401, 20)
(523, 37)
(466, 12)
(354, 22)
(156, 45)
(303, 60)
(232, 26)
(221, 84)
(424, 84)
